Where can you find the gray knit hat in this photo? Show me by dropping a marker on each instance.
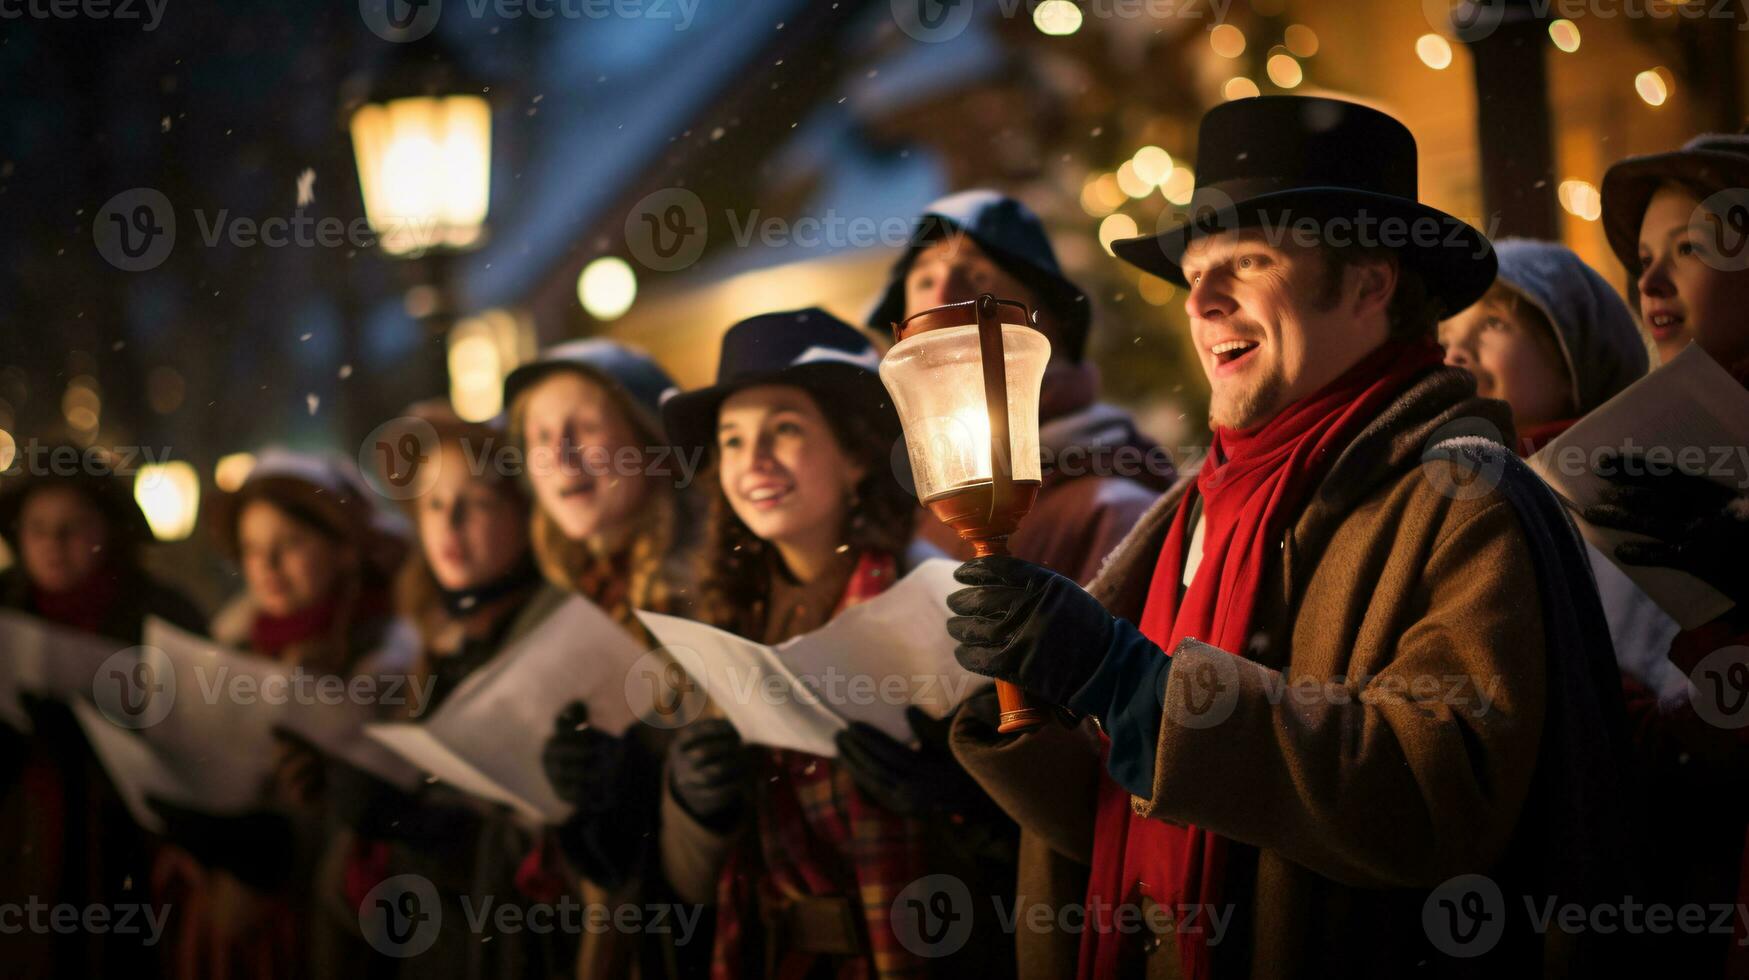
(1602, 345)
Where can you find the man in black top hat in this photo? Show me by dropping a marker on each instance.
(1353, 703)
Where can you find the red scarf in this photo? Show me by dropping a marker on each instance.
(83, 607)
(270, 635)
(1532, 438)
(1252, 487)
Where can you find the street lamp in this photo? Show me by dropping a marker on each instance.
(425, 165)
(422, 135)
(965, 379)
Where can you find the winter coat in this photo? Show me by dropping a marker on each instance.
(1344, 813)
(469, 850)
(69, 837)
(221, 926)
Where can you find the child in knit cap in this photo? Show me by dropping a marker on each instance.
(1552, 339)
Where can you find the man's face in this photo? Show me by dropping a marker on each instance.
(1265, 329)
(955, 270)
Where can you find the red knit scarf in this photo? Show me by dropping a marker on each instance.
(83, 607)
(270, 635)
(1252, 487)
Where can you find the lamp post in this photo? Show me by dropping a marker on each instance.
(422, 137)
(965, 379)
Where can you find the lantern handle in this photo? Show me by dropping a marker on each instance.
(995, 365)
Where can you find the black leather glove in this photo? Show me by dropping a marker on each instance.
(906, 781)
(1701, 527)
(1026, 624)
(707, 772)
(256, 847)
(583, 763)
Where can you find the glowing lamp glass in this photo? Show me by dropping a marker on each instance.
(936, 379)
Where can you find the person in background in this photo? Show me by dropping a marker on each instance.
(472, 588)
(1678, 221)
(1101, 473)
(1550, 338)
(609, 524)
(803, 864)
(78, 539)
(316, 557)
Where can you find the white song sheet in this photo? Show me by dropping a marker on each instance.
(486, 737)
(50, 661)
(193, 722)
(868, 664)
(1695, 417)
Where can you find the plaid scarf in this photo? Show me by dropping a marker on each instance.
(817, 836)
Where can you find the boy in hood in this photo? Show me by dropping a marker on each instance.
(1550, 338)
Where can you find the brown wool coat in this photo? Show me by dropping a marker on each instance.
(1342, 812)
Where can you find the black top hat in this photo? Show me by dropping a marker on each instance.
(810, 349)
(1711, 162)
(1322, 172)
(1014, 238)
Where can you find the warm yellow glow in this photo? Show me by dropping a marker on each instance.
(1241, 88)
(1301, 40)
(936, 380)
(1179, 185)
(1653, 86)
(1284, 70)
(1131, 182)
(607, 287)
(1227, 40)
(8, 449)
(169, 496)
(1094, 200)
(81, 405)
(1434, 51)
(425, 167)
(1580, 199)
(1057, 18)
(1565, 35)
(476, 384)
(1152, 165)
(230, 471)
(1109, 193)
(1156, 290)
(1114, 228)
